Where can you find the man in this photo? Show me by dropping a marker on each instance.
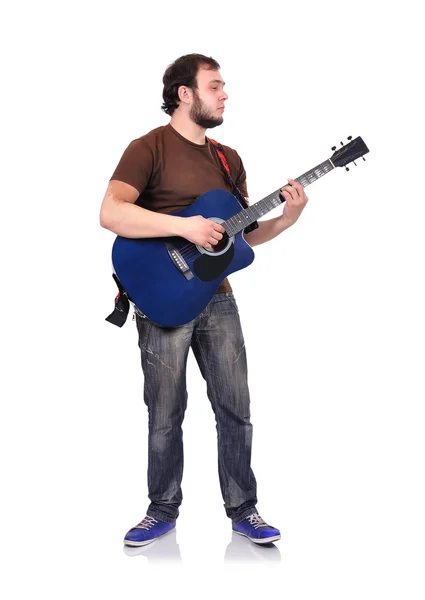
(162, 173)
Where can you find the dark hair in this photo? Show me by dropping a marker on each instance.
(183, 71)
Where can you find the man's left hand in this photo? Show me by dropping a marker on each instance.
(295, 201)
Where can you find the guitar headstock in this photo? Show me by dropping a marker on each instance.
(349, 153)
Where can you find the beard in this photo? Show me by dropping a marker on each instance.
(201, 115)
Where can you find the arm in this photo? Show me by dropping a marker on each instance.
(295, 202)
(266, 231)
(118, 212)
(122, 216)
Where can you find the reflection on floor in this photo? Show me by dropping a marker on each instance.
(239, 549)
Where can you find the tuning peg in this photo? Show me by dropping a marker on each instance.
(354, 163)
(350, 137)
(341, 143)
(347, 169)
(363, 158)
(333, 148)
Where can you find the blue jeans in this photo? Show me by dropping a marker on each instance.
(216, 339)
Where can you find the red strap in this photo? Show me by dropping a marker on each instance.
(221, 155)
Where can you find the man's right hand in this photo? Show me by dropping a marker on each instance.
(201, 231)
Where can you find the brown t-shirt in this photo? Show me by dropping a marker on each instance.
(170, 172)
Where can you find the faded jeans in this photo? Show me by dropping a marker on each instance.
(216, 339)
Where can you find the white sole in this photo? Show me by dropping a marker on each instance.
(259, 541)
(137, 544)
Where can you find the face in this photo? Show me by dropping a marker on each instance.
(208, 100)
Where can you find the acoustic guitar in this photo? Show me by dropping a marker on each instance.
(171, 280)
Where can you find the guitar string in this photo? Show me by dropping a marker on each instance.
(190, 249)
(264, 200)
(270, 206)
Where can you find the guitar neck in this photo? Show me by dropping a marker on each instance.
(248, 215)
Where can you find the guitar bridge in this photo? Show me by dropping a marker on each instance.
(178, 261)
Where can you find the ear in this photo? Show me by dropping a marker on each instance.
(185, 94)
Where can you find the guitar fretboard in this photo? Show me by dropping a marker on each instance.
(248, 215)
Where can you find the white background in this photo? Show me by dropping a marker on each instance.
(332, 310)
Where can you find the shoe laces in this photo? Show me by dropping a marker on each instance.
(146, 523)
(257, 521)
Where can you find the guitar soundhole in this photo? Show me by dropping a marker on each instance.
(221, 244)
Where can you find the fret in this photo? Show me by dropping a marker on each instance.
(263, 205)
(269, 203)
(276, 201)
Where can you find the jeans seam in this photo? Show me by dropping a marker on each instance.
(232, 299)
(207, 370)
(203, 358)
(148, 332)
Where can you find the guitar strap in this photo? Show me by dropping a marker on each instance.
(122, 305)
(235, 190)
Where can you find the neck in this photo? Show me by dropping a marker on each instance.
(187, 128)
(245, 217)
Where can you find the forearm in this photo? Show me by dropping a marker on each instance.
(267, 230)
(132, 221)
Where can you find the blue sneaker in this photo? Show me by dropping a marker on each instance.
(147, 531)
(256, 529)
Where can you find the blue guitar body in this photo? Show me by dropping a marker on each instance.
(172, 280)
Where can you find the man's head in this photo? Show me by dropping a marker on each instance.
(193, 85)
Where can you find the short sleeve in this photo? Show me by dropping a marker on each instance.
(241, 183)
(136, 165)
